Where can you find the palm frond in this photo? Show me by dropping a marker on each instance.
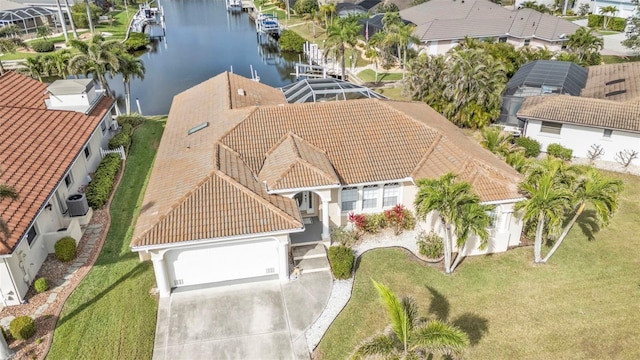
(440, 337)
(382, 345)
(401, 323)
(8, 192)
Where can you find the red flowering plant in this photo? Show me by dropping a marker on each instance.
(359, 222)
(399, 218)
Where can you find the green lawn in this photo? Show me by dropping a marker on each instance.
(369, 75)
(613, 59)
(582, 305)
(111, 314)
(394, 93)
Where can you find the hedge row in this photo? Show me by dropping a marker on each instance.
(560, 152)
(291, 42)
(531, 147)
(137, 41)
(123, 138)
(341, 259)
(100, 187)
(615, 24)
(133, 120)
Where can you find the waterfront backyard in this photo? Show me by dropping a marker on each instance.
(582, 305)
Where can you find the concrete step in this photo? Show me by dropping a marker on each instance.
(313, 265)
(305, 243)
(309, 251)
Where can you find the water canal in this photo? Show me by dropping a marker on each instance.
(202, 40)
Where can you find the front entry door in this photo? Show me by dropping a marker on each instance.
(305, 202)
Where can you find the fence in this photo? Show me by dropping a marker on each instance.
(119, 150)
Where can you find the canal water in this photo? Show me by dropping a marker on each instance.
(202, 40)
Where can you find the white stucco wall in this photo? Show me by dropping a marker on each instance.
(580, 138)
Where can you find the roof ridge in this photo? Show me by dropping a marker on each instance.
(256, 196)
(318, 170)
(284, 172)
(427, 153)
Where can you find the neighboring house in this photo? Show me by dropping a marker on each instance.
(241, 176)
(540, 77)
(50, 141)
(27, 19)
(607, 113)
(626, 8)
(442, 24)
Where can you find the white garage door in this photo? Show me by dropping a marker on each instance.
(212, 264)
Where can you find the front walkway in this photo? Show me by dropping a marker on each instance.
(260, 320)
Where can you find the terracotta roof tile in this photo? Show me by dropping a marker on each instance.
(37, 146)
(616, 82)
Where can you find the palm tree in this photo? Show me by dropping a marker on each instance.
(547, 188)
(595, 189)
(345, 31)
(409, 337)
(607, 12)
(58, 63)
(373, 49)
(89, 19)
(496, 140)
(328, 10)
(35, 66)
(6, 46)
(584, 42)
(130, 67)
(97, 57)
(458, 208)
(62, 22)
(6, 192)
(426, 81)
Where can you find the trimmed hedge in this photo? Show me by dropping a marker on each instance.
(290, 41)
(531, 147)
(41, 285)
(133, 120)
(65, 249)
(100, 187)
(123, 138)
(560, 152)
(341, 259)
(22, 327)
(42, 46)
(615, 24)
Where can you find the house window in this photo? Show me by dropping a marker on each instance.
(87, 152)
(370, 197)
(31, 234)
(607, 133)
(550, 128)
(390, 194)
(103, 126)
(349, 198)
(492, 215)
(527, 42)
(68, 180)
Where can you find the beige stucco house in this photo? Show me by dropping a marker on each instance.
(240, 174)
(50, 141)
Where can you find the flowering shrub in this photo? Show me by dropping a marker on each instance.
(400, 218)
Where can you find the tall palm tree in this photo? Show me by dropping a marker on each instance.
(328, 10)
(607, 12)
(458, 208)
(130, 67)
(591, 188)
(89, 19)
(344, 32)
(411, 338)
(73, 24)
(584, 42)
(473, 220)
(97, 58)
(62, 21)
(547, 188)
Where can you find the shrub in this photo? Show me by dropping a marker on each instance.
(358, 221)
(42, 46)
(341, 259)
(374, 222)
(531, 147)
(41, 285)
(79, 14)
(430, 245)
(22, 327)
(136, 41)
(289, 41)
(400, 218)
(100, 187)
(123, 138)
(133, 120)
(560, 152)
(343, 236)
(615, 24)
(65, 249)
(516, 160)
(302, 7)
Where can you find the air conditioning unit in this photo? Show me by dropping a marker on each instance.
(77, 205)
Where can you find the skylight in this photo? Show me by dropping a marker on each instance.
(197, 128)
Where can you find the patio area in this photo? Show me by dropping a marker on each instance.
(312, 231)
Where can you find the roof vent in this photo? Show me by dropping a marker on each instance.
(241, 92)
(616, 81)
(617, 92)
(197, 128)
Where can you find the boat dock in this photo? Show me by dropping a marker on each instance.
(148, 20)
(318, 65)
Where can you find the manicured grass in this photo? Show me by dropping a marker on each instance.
(111, 314)
(582, 305)
(118, 28)
(394, 93)
(613, 59)
(369, 75)
(607, 32)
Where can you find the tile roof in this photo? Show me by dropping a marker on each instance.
(617, 82)
(292, 146)
(37, 147)
(446, 19)
(599, 113)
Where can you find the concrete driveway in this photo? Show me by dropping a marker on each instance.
(262, 320)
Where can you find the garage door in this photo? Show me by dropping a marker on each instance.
(212, 264)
